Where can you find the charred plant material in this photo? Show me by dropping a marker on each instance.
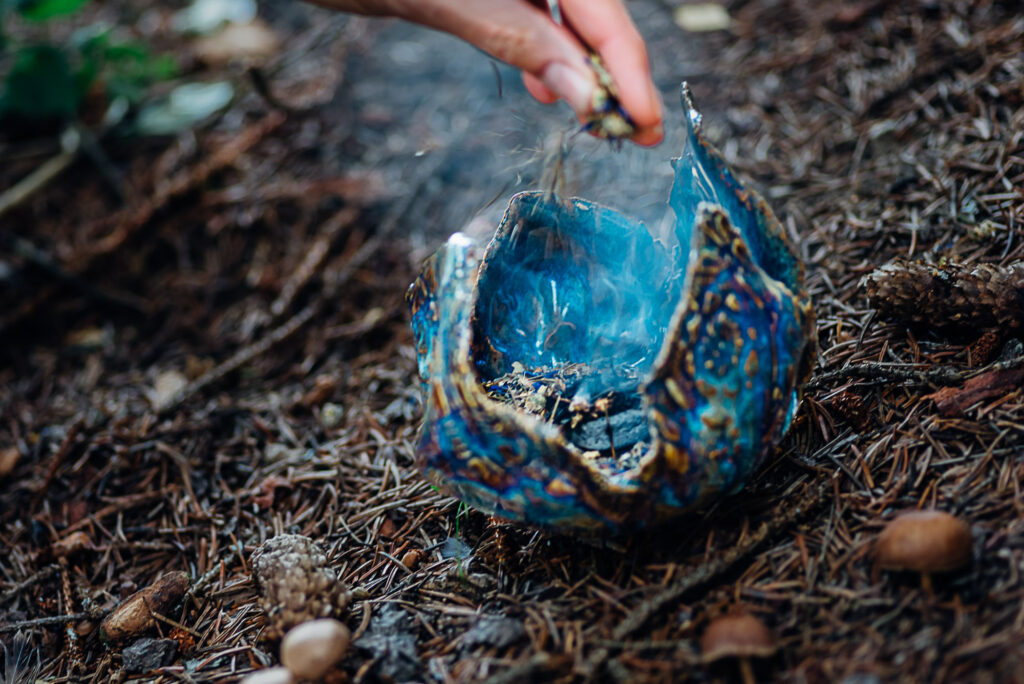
(136, 614)
(598, 409)
(296, 584)
(949, 295)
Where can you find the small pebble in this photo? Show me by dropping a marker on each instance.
(146, 655)
(310, 649)
(331, 415)
(702, 17)
(270, 675)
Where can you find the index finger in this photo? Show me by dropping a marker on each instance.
(607, 28)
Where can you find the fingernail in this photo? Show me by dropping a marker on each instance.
(569, 84)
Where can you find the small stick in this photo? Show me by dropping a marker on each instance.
(533, 669)
(937, 375)
(131, 220)
(39, 576)
(314, 258)
(70, 143)
(47, 621)
(58, 459)
(332, 283)
(703, 574)
(43, 261)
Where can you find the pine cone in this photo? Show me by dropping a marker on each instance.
(986, 348)
(852, 408)
(949, 296)
(296, 585)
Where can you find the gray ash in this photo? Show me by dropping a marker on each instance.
(597, 408)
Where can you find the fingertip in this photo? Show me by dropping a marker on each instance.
(650, 136)
(539, 91)
(606, 26)
(646, 112)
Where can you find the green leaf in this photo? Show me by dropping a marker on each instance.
(40, 84)
(130, 70)
(127, 68)
(127, 52)
(91, 40)
(41, 10)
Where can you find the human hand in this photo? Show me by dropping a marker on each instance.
(553, 61)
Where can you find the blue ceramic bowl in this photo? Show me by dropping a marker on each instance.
(716, 337)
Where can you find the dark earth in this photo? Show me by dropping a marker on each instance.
(217, 351)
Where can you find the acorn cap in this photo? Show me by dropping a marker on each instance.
(924, 541)
(738, 635)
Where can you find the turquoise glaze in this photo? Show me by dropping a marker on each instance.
(719, 335)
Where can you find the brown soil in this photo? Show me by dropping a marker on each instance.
(224, 356)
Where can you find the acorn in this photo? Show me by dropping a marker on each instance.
(135, 614)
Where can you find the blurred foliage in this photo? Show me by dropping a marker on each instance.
(43, 79)
(41, 10)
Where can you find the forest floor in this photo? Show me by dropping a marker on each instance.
(223, 354)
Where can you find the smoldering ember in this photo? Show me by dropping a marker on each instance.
(752, 416)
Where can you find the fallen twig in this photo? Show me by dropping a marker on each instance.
(530, 670)
(130, 221)
(886, 372)
(314, 259)
(39, 576)
(332, 284)
(41, 260)
(70, 143)
(703, 574)
(48, 621)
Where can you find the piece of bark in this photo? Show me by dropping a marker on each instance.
(952, 401)
(949, 295)
(296, 584)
